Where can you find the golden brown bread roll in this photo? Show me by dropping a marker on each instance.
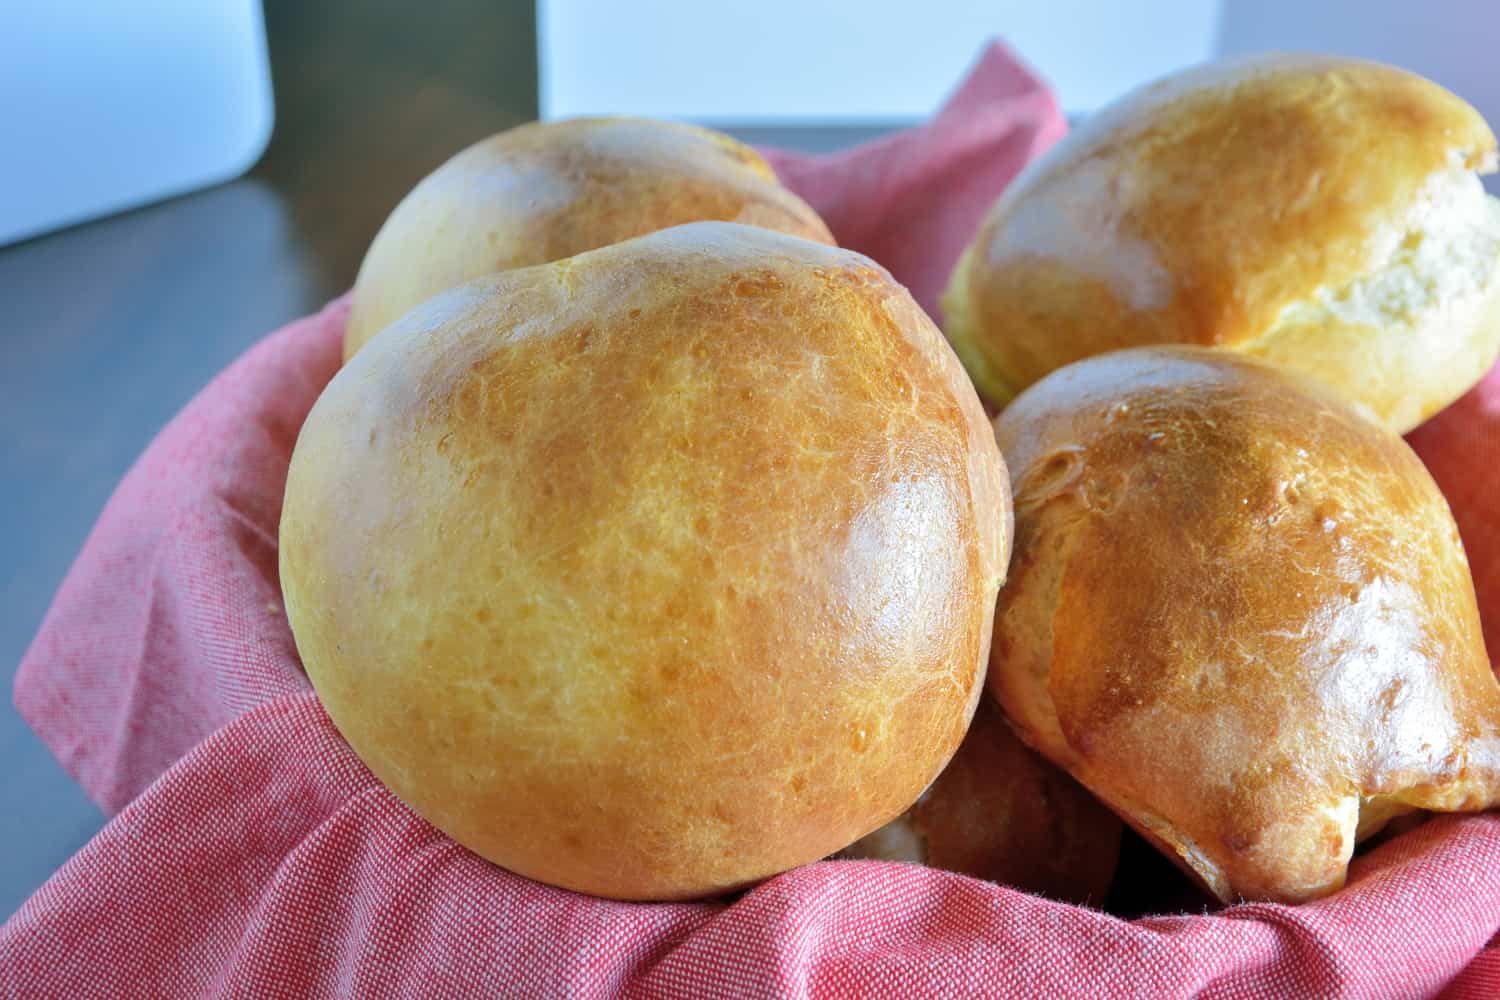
(1240, 614)
(654, 571)
(1321, 213)
(1000, 811)
(548, 190)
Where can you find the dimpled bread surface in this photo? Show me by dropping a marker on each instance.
(655, 571)
(1240, 614)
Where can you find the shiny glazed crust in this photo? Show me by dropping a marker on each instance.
(1002, 812)
(654, 571)
(549, 190)
(1240, 614)
(1272, 205)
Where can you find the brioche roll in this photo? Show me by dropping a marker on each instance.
(1324, 214)
(549, 190)
(655, 571)
(1240, 614)
(1000, 811)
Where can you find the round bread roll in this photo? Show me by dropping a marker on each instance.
(999, 811)
(655, 571)
(1240, 614)
(1321, 213)
(549, 190)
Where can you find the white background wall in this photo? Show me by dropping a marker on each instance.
(888, 60)
(836, 60)
(108, 104)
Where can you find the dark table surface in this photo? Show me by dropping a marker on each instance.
(107, 329)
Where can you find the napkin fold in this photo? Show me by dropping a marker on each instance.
(251, 853)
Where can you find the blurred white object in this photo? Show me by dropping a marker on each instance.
(822, 61)
(107, 105)
(1451, 42)
(810, 62)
